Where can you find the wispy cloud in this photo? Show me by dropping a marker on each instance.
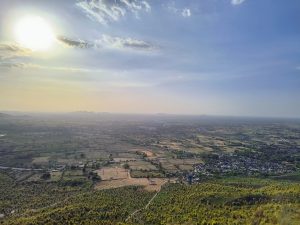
(11, 54)
(69, 42)
(11, 50)
(110, 42)
(20, 65)
(11, 64)
(186, 12)
(124, 43)
(105, 11)
(237, 2)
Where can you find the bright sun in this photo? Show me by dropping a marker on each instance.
(34, 33)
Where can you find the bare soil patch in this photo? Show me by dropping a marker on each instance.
(112, 173)
(147, 152)
(149, 184)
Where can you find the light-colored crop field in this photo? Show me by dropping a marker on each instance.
(112, 173)
(40, 160)
(129, 154)
(141, 165)
(119, 160)
(149, 184)
(179, 164)
(147, 152)
(185, 167)
(170, 144)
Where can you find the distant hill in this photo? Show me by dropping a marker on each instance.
(4, 115)
(82, 112)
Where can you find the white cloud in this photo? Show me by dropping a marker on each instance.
(186, 12)
(123, 43)
(237, 2)
(105, 11)
(13, 56)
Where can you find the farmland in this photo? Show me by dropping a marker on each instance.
(53, 165)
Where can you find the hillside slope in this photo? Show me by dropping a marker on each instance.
(223, 201)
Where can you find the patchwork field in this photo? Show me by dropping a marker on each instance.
(112, 173)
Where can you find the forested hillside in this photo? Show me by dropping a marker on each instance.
(221, 201)
(226, 201)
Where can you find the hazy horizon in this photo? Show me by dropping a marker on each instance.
(224, 58)
(82, 112)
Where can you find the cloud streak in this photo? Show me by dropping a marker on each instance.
(109, 42)
(11, 53)
(237, 2)
(11, 50)
(12, 57)
(20, 65)
(11, 64)
(124, 43)
(105, 11)
(73, 43)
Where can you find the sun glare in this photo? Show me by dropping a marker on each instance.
(35, 33)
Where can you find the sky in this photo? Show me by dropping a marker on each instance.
(215, 57)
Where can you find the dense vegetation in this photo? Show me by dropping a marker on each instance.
(17, 197)
(226, 201)
(93, 207)
(221, 201)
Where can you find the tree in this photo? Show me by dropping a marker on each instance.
(126, 166)
(94, 176)
(46, 176)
